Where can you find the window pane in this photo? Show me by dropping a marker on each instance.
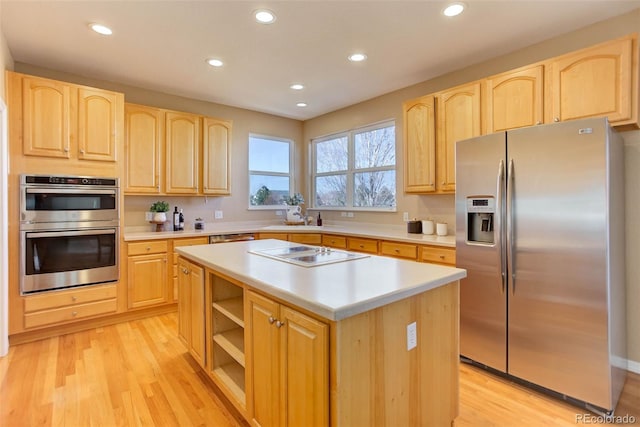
(267, 190)
(375, 189)
(332, 155)
(268, 155)
(331, 190)
(375, 148)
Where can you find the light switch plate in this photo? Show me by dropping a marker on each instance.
(148, 216)
(218, 214)
(412, 336)
(405, 216)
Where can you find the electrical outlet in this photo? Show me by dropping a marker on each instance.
(218, 214)
(405, 216)
(148, 216)
(412, 336)
(343, 214)
(350, 214)
(278, 213)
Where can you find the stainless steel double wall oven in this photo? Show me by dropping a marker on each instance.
(69, 231)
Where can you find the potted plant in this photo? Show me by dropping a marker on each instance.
(159, 208)
(294, 211)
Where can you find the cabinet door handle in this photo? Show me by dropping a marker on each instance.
(66, 149)
(556, 119)
(271, 320)
(279, 324)
(81, 151)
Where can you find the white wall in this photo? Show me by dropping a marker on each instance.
(6, 62)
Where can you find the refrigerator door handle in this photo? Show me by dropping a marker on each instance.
(499, 225)
(510, 227)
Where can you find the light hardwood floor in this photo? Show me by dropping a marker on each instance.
(139, 373)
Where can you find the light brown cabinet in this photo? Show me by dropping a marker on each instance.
(359, 244)
(514, 99)
(438, 255)
(288, 367)
(333, 241)
(182, 133)
(171, 152)
(419, 145)
(216, 156)
(191, 308)
(144, 145)
(189, 241)
(62, 120)
(147, 273)
(595, 82)
(458, 117)
(399, 250)
(67, 306)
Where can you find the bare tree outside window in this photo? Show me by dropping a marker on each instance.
(356, 169)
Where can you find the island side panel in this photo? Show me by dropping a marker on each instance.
(376, 381)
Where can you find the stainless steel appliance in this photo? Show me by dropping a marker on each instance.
(540, 231)
(233, 237)
(69, 231)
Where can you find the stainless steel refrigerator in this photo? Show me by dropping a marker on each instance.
(540, 231)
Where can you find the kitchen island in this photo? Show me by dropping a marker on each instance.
(363, 342)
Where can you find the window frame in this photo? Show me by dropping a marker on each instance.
(351, 170)
(251, 172)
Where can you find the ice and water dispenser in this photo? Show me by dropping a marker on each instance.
(480, 219)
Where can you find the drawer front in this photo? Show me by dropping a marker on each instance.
(65, 314)
(339, 242)
(148, 247)
(401, 250)
(191, 241)
(279, 236)
(438, 255)
(58, 299)
(308, 238)
(362, 245)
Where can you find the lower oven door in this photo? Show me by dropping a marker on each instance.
(65, 258)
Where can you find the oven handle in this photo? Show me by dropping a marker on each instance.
(68, 191)
(92, 232)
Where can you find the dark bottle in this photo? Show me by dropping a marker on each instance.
(319, 220)
(176, 219)
(181, 221)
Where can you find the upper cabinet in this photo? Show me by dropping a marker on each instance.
(66, 121)
(514, 99)
(458, 117)
(182, 131)
(595, 82)
(600, 81)
(419, 145)
(170, 152)
(216, 150)
(144, 143)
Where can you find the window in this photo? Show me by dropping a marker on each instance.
(270, 171)
(356, 169)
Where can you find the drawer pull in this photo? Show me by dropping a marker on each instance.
(74, 313)
(74, 298)
(441, 256)
(361, 246)
(148, 248)
(397, 250)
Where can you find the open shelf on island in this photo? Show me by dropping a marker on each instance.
(233, 308)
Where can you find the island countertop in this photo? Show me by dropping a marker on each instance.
(333, 291)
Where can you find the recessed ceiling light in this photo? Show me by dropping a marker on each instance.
(215, 62)
(301, 104)
(264, 16)
(101, 29)
(357, 57)
(297, 86)
(453, 9)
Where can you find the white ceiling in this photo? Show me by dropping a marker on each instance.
(163, 45)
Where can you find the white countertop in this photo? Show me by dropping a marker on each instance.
(372, 231)
(333, 291)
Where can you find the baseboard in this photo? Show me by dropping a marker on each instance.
(633, 366)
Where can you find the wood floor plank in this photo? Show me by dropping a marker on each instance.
(139, 373)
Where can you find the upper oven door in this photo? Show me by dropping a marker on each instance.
(46, 204)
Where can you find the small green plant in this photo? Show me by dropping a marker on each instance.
(294, 200)
(159, 206)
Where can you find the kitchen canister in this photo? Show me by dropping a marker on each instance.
(414, 227)
(441, 229)
(427, 226)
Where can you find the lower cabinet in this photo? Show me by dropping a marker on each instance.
(191, 308)
(147, 273)
(288, 378)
